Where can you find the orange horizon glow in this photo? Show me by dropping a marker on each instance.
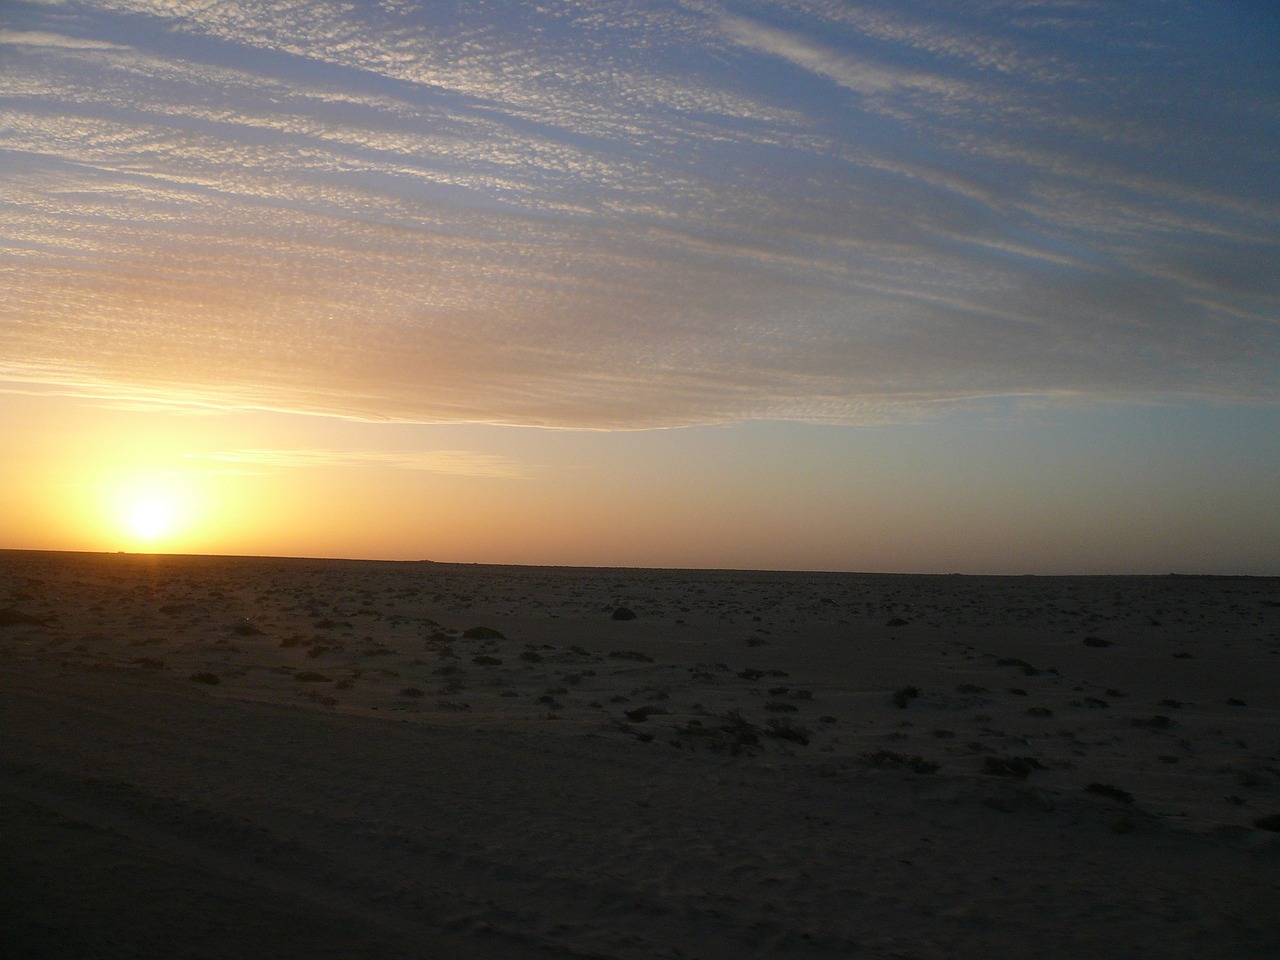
(87, 477)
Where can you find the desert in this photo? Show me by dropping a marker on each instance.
(253, 757)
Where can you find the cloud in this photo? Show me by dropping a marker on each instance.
(613, 216)
(36, 38)
(464, 463)
(858, 74)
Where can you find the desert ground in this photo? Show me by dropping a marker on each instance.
(240, 757)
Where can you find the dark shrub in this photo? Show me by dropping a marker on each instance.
(1107, 790)
(889, 759)
(903, 696)
(1017, 767)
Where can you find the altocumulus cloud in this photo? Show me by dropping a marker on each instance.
(590, 214)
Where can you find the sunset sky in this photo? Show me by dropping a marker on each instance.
(902, 286)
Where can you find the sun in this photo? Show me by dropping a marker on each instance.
(150, 517)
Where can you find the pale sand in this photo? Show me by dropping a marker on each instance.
(632, 789)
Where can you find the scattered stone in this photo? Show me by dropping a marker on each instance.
(624, 613)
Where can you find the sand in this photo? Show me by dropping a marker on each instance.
(239, 757)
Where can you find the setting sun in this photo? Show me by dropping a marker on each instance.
(150, 518)
(153, 514)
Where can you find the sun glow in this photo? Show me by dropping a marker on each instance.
(153, 515)
(150, 518)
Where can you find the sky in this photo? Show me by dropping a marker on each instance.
(912, 286)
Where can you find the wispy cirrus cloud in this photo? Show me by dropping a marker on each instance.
(38, 38)
(857, 73)
(465, 463)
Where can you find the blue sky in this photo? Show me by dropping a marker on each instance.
(924, 223)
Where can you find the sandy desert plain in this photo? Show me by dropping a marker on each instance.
(240, 757)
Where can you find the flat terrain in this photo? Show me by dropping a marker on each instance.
(216, 757)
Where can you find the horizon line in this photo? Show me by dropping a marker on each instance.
(1169, 574)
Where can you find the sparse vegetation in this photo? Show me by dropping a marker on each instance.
(1019, 768)
(890, 759)
(905, 695)
(783, 729)
(1109, 791)
(630, 655)
(641, 714)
